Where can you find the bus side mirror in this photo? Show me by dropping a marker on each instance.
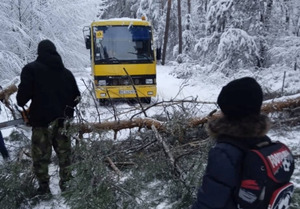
(158, 53)
(87, 36)
(87, 40)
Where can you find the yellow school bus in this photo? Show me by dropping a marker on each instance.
(123, 60)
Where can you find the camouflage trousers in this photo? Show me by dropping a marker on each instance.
(43, 139)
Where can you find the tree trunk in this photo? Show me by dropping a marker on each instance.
(5, 93)
(205, 5)
(179, 27)
(292, 104)
(187, 44)
(268, 15)
(189, 15)
(4, 97)
(166, 32)
(189, 6)
(266, 12)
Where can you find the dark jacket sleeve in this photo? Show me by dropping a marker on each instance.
(76, 92)
(25, 88)
(221, 178)
(73, 97)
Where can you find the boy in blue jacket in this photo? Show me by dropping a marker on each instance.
(240, 102)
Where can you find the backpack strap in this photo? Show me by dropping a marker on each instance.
(245, 144)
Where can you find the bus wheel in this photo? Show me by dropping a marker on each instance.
(146, 100)
(102, 102)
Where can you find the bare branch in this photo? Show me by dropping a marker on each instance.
(113, 166)
(136, 93)
(168, 152)
(119, 125)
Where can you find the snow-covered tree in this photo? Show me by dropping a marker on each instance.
(236, 48)
(25, 23)
(16, 41)
(205, 24)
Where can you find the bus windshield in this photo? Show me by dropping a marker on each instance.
(115, 44)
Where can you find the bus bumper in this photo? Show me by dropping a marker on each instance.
(122, 92)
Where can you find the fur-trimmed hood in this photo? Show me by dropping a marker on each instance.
(251, 126)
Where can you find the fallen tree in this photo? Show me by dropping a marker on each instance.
(290, 105)
(5, 95)
(7, 92)
(120, 124)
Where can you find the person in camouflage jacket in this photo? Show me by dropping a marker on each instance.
(54, 93)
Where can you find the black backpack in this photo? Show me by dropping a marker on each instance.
(265, 177)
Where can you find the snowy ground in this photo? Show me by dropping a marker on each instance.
(201, 86)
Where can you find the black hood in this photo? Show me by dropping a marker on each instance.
(48, 55)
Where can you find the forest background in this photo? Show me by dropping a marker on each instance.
(195, 36)
(226, 34)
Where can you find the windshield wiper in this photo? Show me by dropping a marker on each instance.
(142, 55)
(112, 59)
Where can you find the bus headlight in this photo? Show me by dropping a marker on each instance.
(101, 82)
(136, 81)
(126, 82)
(149, 81)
